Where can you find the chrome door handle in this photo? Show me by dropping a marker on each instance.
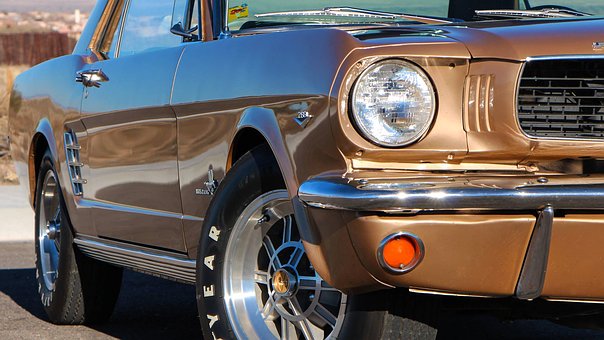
(91, 78)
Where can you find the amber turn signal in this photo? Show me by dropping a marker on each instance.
(400, 253)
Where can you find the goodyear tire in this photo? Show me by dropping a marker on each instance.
(73, 289)
(254, 279)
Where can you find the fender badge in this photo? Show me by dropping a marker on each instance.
(211, 185)
(598, 46)
(303, 118)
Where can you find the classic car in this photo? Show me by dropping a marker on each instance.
(316, 168)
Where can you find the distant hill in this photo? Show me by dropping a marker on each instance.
(46, 5)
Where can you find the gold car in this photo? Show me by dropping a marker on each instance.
(312, 168)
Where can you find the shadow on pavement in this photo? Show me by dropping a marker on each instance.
(20, 286)
(148, 307)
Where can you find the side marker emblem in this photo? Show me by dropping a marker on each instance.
(211, 185)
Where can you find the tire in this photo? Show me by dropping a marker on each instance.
(73, 288)
(255, 281)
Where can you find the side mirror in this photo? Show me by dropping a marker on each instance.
(177, 29)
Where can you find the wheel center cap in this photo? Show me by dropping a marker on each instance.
(52, 230)
(284, 282)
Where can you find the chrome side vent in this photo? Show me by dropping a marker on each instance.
(72, 155)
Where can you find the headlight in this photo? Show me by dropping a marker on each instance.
(393, 103)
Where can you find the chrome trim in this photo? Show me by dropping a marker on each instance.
(565, 57)
(532, 276)
(343, 194)
(87, 203)
(573, 300)
(74, 166)
(124, 13)
(417, 243)
(149, 261)
(441, 293)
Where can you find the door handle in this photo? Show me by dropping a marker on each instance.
(91, 78)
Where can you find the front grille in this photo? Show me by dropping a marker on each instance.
(562, 98)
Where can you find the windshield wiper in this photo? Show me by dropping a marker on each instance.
(358, 13)
(528, 13)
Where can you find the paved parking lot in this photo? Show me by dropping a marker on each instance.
(16, 216)
(152, 308)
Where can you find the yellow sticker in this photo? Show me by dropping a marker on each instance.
(238, 12)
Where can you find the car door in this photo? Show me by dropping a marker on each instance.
(133, 186)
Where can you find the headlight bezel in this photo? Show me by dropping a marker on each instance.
(370, 67)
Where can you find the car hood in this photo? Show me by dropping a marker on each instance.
(509, 39)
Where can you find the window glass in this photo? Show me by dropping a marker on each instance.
(114, 41)
(148, 27)
(243, 13)
(194, 15)
(179, 12)
(595, 7)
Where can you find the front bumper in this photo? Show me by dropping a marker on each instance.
(504, 235)
(450, 194)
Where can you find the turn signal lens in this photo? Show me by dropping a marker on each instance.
(400, 253)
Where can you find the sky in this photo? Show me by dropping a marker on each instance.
(46, 5)
(593, 6)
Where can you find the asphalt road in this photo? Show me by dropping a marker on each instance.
(16, 216)
(152, 308)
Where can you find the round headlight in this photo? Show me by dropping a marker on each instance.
(393, 103)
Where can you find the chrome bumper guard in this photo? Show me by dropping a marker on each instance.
(408, 196)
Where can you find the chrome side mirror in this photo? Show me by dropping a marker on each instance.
(179, 30)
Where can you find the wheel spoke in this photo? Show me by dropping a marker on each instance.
(287, 229)
(296, 256)
(269, 308)
(325, 287)
(57, 240)
(288, 329)
(303, 325)
(325, 315)
(270, 250)
(46, 244)
(57, 216)
(261, 277)
(307, 283)
(54, 259)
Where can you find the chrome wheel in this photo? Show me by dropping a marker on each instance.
(49, 230)
(271, 289)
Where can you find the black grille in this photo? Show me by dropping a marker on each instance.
(562, 98)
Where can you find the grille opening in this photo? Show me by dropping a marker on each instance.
(562, 98)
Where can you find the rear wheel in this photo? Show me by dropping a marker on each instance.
(254, 279)
(74, 289)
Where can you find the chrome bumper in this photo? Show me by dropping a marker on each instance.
(468, 194)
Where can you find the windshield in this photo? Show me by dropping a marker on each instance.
(244, 14)
(595, 7)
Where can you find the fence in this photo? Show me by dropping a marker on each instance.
(33, 48)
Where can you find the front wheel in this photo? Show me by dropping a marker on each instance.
(254, 280)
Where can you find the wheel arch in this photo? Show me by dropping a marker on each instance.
(259, 126)
(42, 140)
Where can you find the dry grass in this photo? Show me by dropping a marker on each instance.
(7, 76)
